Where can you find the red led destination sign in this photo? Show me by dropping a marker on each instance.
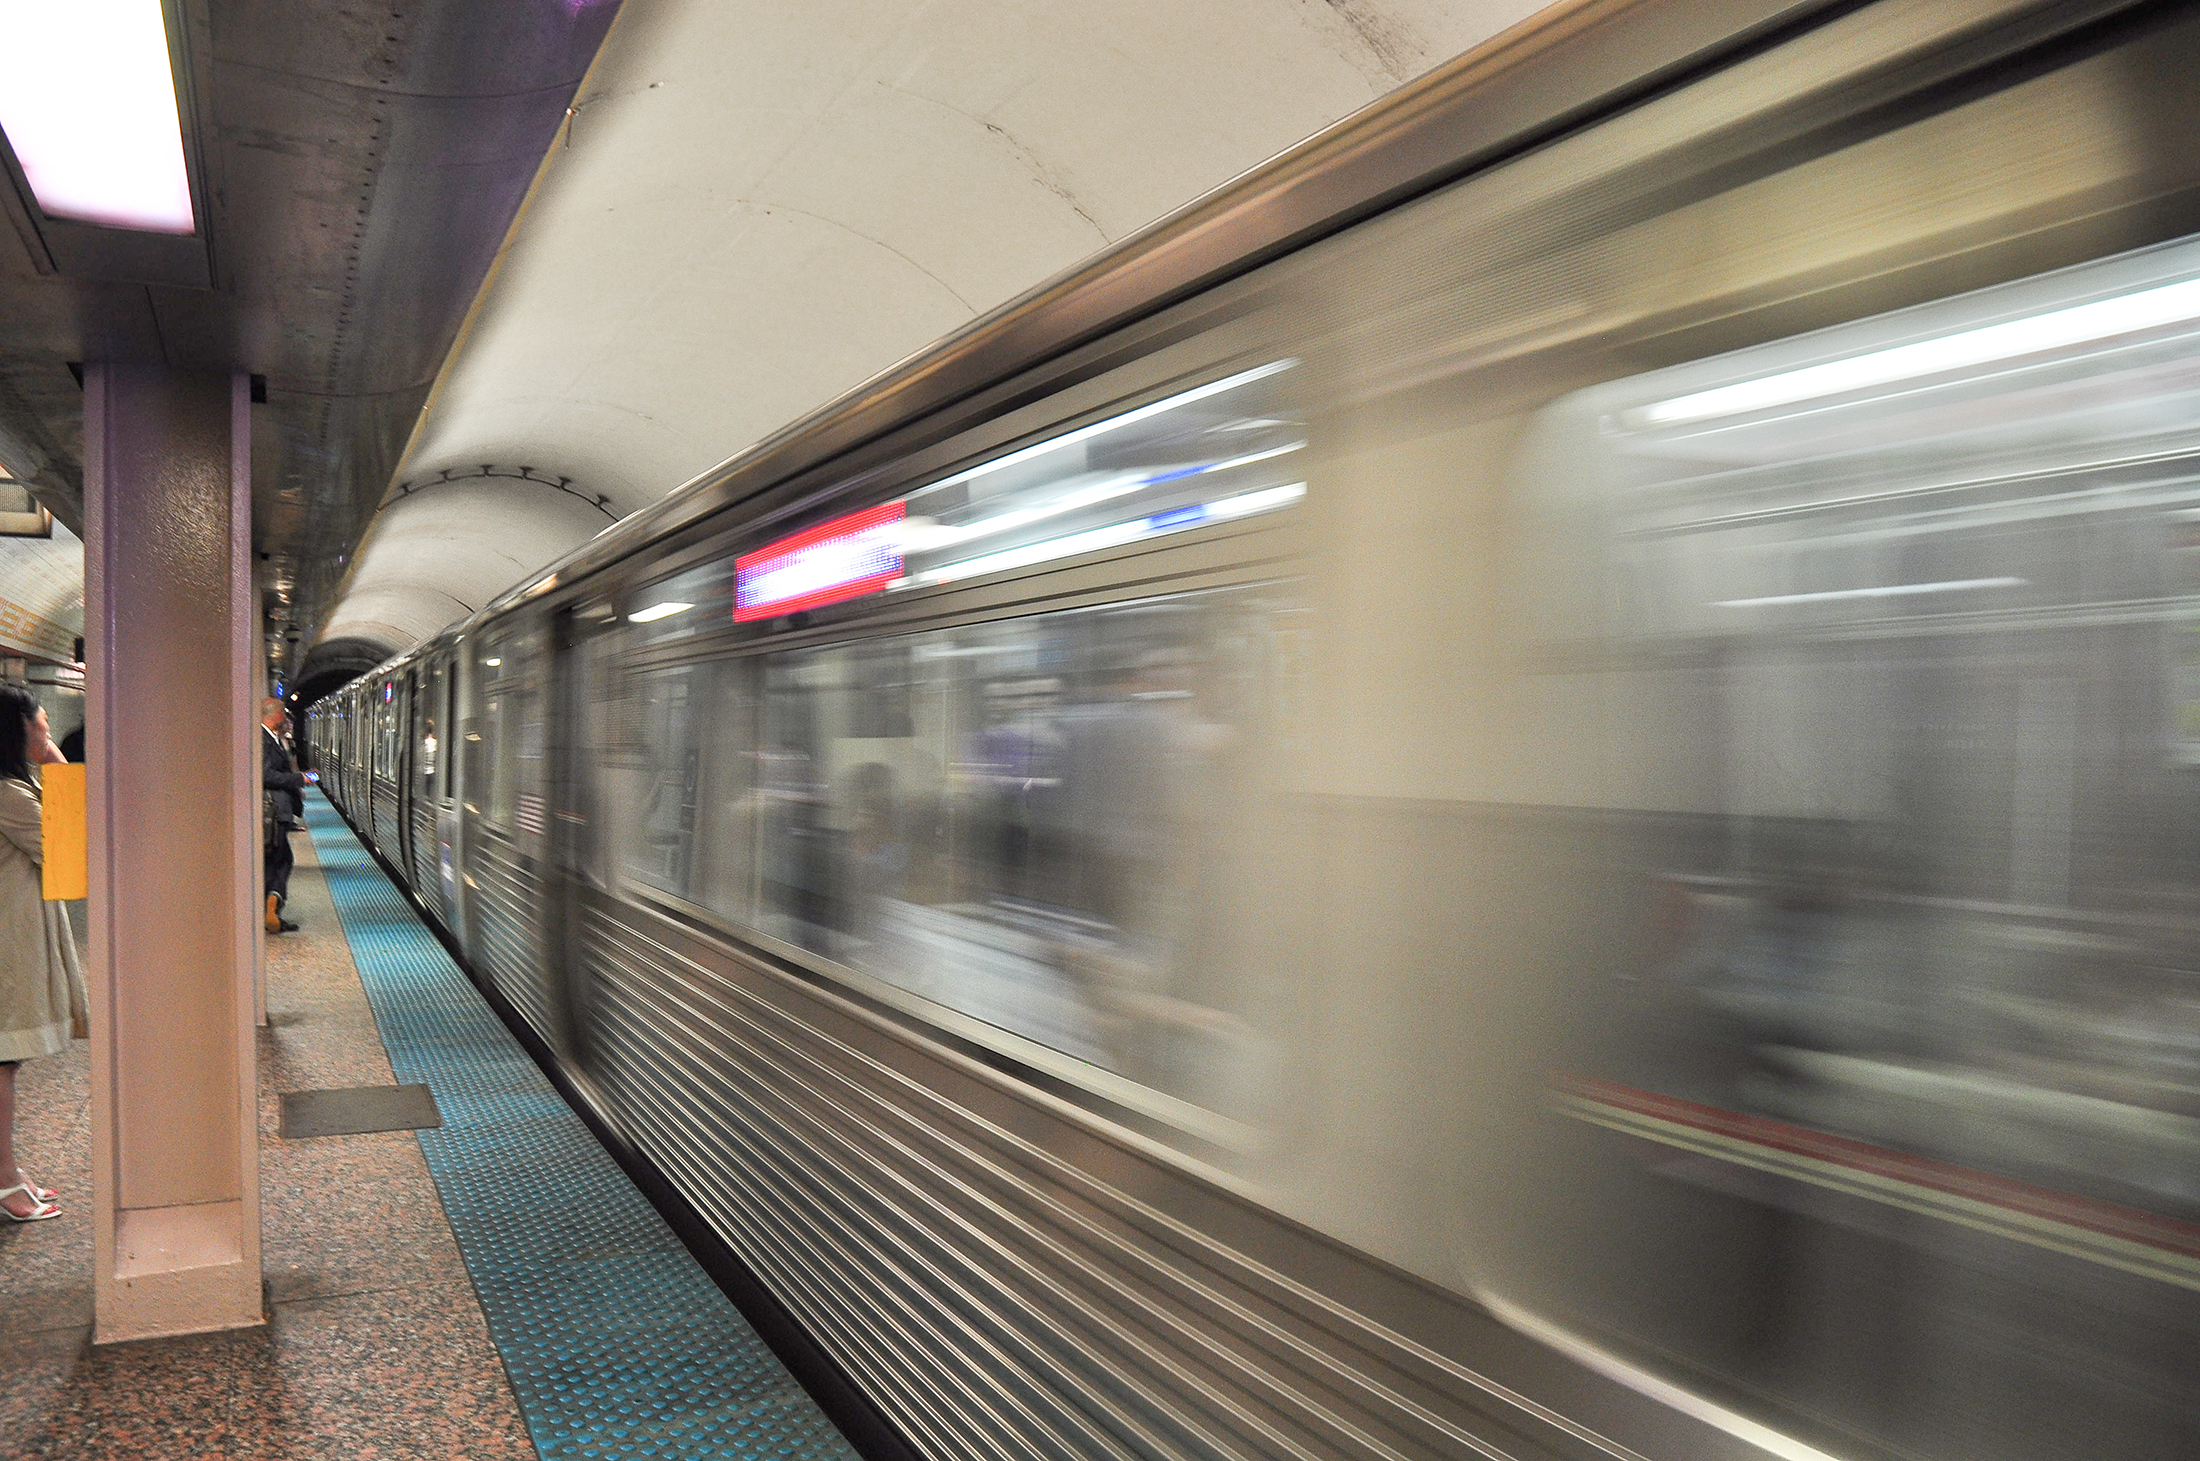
(842, 559)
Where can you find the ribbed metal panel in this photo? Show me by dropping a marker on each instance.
(998, 1299)
(507, 901)
(427, 876)
(388, 838)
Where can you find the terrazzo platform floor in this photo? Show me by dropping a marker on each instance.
(376, 1347)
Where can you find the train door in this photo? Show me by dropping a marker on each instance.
(347, 741)
(458, 787)
(384, 812)
(506, 826)
(407, 851)
(445, 872)
(577, 691)
(401, 771)
(429, 753)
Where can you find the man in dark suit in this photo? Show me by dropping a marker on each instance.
(283, 801)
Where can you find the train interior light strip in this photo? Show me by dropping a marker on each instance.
(1882, 591)
(1146, 479)
(1155, 525)
(1113, 423)
(2082, 324)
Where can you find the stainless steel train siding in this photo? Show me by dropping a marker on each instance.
(1560, 819)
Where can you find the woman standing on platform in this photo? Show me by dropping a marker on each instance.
(41, 983)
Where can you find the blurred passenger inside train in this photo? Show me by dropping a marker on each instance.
(878, 849)
(1012, 773)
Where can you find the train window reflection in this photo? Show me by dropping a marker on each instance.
(1028, 822)
(1913, 954)
(661, 803)
(504, 716)
(1043, 824)
(1213, 453)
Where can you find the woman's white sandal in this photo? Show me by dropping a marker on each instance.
(41, 1209)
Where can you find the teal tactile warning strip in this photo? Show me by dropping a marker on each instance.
(618, 1344)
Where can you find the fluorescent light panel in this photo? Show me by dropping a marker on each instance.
(88, 101)
(2165, 304)
(658, 611)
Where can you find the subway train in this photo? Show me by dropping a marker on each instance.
(1528, 786)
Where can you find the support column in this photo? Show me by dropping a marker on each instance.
(171, 691)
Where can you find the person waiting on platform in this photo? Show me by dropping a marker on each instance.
(41, 983)
(283, 801)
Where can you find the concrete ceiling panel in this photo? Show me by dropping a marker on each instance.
(754, 208)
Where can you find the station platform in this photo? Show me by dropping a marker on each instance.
(493, 1287)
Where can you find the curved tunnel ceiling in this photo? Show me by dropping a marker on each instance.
(755, 208)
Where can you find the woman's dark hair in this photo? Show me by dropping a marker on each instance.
(17, 706)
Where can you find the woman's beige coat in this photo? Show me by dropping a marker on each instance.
(41, 984)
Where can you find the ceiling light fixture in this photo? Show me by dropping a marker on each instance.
(658, 611)
(88, 101)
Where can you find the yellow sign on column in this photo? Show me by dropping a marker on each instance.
(68, 860)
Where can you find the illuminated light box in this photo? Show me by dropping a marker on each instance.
(842, 559)
(88, 101)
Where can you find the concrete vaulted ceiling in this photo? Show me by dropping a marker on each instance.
(753, 208)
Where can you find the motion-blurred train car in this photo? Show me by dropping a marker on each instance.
(1530, 786)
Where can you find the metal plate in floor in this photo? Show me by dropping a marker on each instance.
(357, 1110)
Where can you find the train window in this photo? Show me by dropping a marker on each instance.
(387, 733)
(1049, 824)
(1043, 824)
(503, 709)
(429, 750)
(1896, 619)
(664, 742)
(670, 754)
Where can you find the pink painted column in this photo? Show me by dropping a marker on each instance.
(171, 690)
